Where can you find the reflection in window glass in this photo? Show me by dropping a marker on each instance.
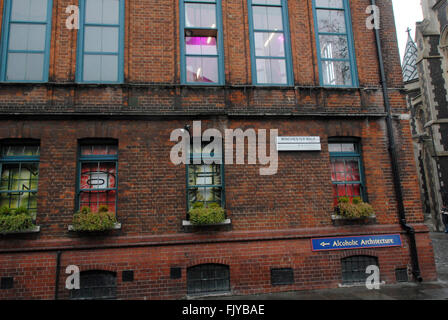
(201, 42)
(335, 50)
(102, 41)
(270, 54)
(28, 40)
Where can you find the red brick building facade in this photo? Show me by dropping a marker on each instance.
(272, 217)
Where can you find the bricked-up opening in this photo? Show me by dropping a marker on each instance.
(354, 268)
(6, 283)
(175, 273)
(282, 276)
(96, 285)
(208, 278)
(127, 276)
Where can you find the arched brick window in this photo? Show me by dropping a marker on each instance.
(354, 268)
(96, 285)
(208, 278)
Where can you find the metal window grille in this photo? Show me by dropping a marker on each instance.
(98, 177)
(19, 166)
(208, 278)
(354, 268)
(96, 285)
(282, 276)
(401, 275)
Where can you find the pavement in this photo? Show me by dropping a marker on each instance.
(437, 290)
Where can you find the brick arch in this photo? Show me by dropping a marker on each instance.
(97, 267)
(200, 261)
(359, 252)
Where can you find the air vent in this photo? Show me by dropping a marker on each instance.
(7, 283)
(282, 276)
(401, 275)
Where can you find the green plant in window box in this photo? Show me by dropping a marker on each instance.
(15, 220)
(357, 209)
(201, 214)
(86, 220)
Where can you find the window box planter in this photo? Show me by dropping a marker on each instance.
(117, 226)
(34, 229)
(354, 212)
(344, 221)
(90, 222)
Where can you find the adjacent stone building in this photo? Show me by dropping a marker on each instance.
(86, 117)
(425, 76)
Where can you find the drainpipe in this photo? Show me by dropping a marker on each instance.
(58, 265)
(394, 158)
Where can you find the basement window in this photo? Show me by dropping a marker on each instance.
(96, 285)
(208, 278)
(354, 268)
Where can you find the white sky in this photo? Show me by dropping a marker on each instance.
(407, 13)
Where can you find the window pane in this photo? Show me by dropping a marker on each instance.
(109, 68)
(200, 15)
(29, 10)
(101, 39)
(98, 175)
(201, 69)
(267, 18)
(333, 47)
(100, 67)
(274, 2)
(98, 149)
(334, 147)
(201, 45)
(336, 73)
(271, 71)
(27, 37)
(269, 44)
(329, 3)
(332, 21)
(102, 11)
(25, 66)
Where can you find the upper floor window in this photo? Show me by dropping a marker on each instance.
(98, 176)
(346, 170)
(334, 38)
(101, 41)
(19, 165)
(270, 44)
(205, 181)
(26, 33)
(202, 57)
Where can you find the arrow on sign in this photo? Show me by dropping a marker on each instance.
(324, 244)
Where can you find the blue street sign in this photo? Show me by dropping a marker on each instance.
(357, 242)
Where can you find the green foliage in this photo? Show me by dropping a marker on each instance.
(86, 220)
(15, 220)
(211, 214)
(356, 209)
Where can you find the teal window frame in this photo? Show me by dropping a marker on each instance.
(81, 40)
(356, 155)
(219, 43)
(82, 159)
(287, 41)
(194, 158)
(5, 160)
(350, 43)
(7, 21)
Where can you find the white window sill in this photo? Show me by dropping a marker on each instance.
(117, 226)
(186, 223)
